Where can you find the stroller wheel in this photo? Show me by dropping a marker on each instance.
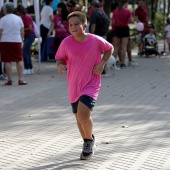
(147, 55)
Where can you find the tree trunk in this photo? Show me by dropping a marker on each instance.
(107, 7)
(168, 8)
(164, 13)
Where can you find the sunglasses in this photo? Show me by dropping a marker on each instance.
(69, 5)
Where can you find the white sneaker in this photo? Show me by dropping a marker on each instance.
(3, 77)
(26, 71)
(32, 71)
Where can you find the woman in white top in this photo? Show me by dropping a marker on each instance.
(46, 21)
(11, 35)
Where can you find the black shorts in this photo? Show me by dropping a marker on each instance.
(86, 100)
(113, 33)
(122, 32)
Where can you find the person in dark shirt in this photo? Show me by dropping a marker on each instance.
(95, 19)
(141, 15)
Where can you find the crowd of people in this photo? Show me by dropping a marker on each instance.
(55, 23)
(76, 50)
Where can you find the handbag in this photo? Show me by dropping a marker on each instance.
(36, 30)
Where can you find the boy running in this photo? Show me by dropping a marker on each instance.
(80, 55)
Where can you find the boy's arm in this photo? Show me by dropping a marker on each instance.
(106, 56)
(100, 66)
(61, 66)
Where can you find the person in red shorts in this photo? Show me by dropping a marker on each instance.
(11, 35)
(141, 15)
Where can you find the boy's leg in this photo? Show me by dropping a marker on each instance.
(85, 120)
(80, 127)
(82, 109)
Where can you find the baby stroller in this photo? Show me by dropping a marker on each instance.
(150, 45)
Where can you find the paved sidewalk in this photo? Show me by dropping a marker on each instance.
(131, 121)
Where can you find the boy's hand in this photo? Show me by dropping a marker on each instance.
(61, 69)
(98, 69)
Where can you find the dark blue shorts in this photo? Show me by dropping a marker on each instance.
(86, 100)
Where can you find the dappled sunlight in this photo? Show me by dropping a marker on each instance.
(131, 122)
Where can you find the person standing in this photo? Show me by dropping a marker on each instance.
(95, 19)
(11, 35)
(167, 31)
(141, 15)
(60, 24)
(84, 66)
(101, 7)
(96, 23)
(2, 69)
(46, 21)
(121, 18)
(129, 50)
(71, 6)
(29, 37)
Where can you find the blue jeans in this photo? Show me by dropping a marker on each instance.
(28, 40)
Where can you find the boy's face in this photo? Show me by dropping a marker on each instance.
(76, 28)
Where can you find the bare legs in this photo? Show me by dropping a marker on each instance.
(121, 48)
(19, 66)
(169, 47)
(140, 47)
(84, 121)
(8, 71)
(129, 52)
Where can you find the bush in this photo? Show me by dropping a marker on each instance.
(159, 24)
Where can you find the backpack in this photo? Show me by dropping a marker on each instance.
(105, 22)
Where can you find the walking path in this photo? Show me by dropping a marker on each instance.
(131, 121)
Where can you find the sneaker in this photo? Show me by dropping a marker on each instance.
(3, 77)
(88, 149)
(26, 71)
(32, 71)
(133, 63)
(122, 66)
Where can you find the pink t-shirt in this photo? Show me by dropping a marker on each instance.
(122, 17)
(81, 57)
(61, 27)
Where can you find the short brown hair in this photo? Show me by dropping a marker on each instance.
(21, 9)
(79, 15)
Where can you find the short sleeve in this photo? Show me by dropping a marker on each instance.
(61, 52)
